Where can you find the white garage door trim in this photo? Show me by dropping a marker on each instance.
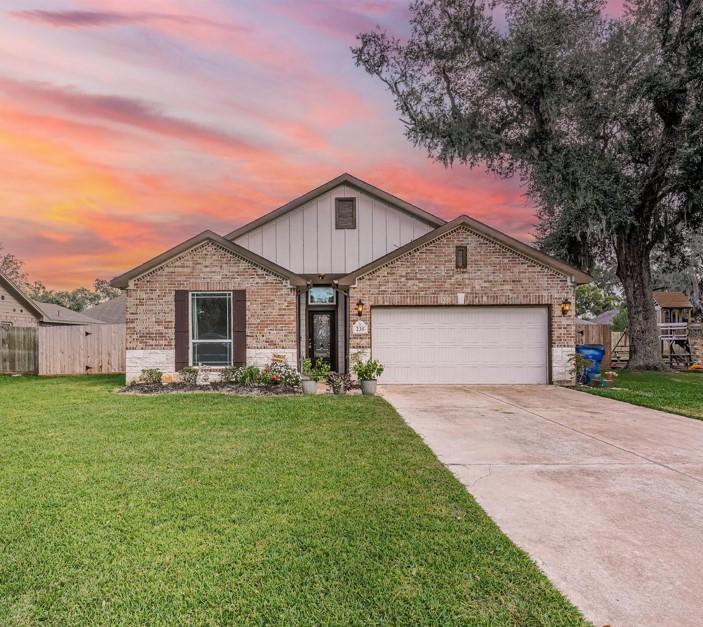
(462, 344)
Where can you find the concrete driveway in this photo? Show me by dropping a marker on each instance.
(606, 497)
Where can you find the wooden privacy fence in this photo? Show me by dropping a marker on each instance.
(18, 350)
(85, 349)
(595, 334)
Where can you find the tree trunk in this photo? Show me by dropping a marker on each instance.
(634, 272)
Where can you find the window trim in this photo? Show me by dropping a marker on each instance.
(337, 207)
(191, 327)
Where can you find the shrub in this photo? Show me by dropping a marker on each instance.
(368, 370)
(316, 371)
(338, 382)
(151, 375)
(579, 363)
(229, 374)
(247, 376)
(283, 374)
(189, 375)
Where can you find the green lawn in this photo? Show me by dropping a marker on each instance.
(212, 509)
(677, 392)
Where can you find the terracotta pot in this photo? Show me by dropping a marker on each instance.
(368, 388)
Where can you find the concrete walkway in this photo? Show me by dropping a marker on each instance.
(606, 497)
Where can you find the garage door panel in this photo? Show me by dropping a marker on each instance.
(461, 344)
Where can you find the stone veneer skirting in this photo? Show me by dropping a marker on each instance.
(165, 360)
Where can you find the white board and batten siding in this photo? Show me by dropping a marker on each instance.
(304, 240)
(461, 345)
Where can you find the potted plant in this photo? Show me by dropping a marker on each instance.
(313, 372)
(368, 372)
(339, 383)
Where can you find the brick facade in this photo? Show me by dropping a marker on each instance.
(495, 275)
(271, 306)
(15, 312)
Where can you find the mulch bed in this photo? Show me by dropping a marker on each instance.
(151, 389)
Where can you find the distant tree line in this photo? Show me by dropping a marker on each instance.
(77, 299)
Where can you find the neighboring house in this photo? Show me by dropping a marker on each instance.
(18, 310)
(672, 307)
(349, 270)
(606, 317)
(113, 311)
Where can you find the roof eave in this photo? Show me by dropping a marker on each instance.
(574, 274)
(122, 281)
(342, 179)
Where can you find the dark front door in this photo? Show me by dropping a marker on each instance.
(321, 336)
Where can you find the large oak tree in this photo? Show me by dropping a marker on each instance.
(600, 117)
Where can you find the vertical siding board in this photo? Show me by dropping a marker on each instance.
(364, 221)
(283, 241)
(310, 237)
(269, 241)
(256, 241)
(338, 239)
(392, 229)
(406, 229)
(351, 237)
(296, 241)
(324, 231)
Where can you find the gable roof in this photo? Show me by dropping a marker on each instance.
(483, 229)
(124, 279)
(113, 311)
(674, 300)
(57, 314)
(19, 296)
(342, 179)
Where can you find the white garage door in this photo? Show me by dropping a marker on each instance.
(461, 344)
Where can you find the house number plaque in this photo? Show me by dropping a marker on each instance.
(360, 328)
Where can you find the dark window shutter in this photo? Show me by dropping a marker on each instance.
(461, 255)
(182, 333)
(239, 327)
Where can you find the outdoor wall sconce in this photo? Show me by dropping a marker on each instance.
(565, 307)
(359, 308)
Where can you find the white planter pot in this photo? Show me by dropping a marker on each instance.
(368, 388)
(309, 386)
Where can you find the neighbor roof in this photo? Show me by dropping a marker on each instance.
(342, 179)
(483, 229)
(672, 300)
(113, 311)
(124, 279)
(20, 297)
(56, 314)
(606, 317)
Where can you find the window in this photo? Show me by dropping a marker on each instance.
(345, 213)
(5, 323)
(321, 296)
(211, 328)
(461, 256)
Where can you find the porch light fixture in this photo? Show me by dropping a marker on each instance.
(565, 307)
(359, 308)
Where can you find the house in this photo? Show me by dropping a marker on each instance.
(18, 310)
(672, 307)
(346, 271)
(113, 311)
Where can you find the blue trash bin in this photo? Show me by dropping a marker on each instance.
(595, 353)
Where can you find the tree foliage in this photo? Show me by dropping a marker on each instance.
(599, 117)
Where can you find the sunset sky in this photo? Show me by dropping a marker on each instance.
(127, 126)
